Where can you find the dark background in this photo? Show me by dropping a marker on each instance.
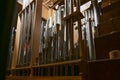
(7, 16)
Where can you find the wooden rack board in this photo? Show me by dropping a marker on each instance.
(45, 78)
(62, 1)
(110, 42)
(67, 68)
(56, 3)
(108, 2)
(104, 69)
(60, 63)
(74, 15)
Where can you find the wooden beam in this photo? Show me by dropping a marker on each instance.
(36, 31)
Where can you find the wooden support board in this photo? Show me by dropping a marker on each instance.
(46, 78)
(110, 42)
(68, 68)
(104, 69)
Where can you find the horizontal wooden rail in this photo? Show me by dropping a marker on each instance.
(45, 78)
(60, 63)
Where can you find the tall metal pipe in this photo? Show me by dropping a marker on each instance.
(96, 11)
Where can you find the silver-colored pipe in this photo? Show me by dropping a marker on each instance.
(96, 11)
(92, 55)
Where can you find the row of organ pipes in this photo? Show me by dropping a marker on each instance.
(72, 38)
(67, 35)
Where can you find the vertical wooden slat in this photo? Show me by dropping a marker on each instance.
(16, 44)
(36, 31)
(66, 70)
(72, 69)
(80, 41)
(54, 71)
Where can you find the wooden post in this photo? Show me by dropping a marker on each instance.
(80, 41)
(36, 31)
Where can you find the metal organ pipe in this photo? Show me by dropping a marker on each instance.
(96, 11)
